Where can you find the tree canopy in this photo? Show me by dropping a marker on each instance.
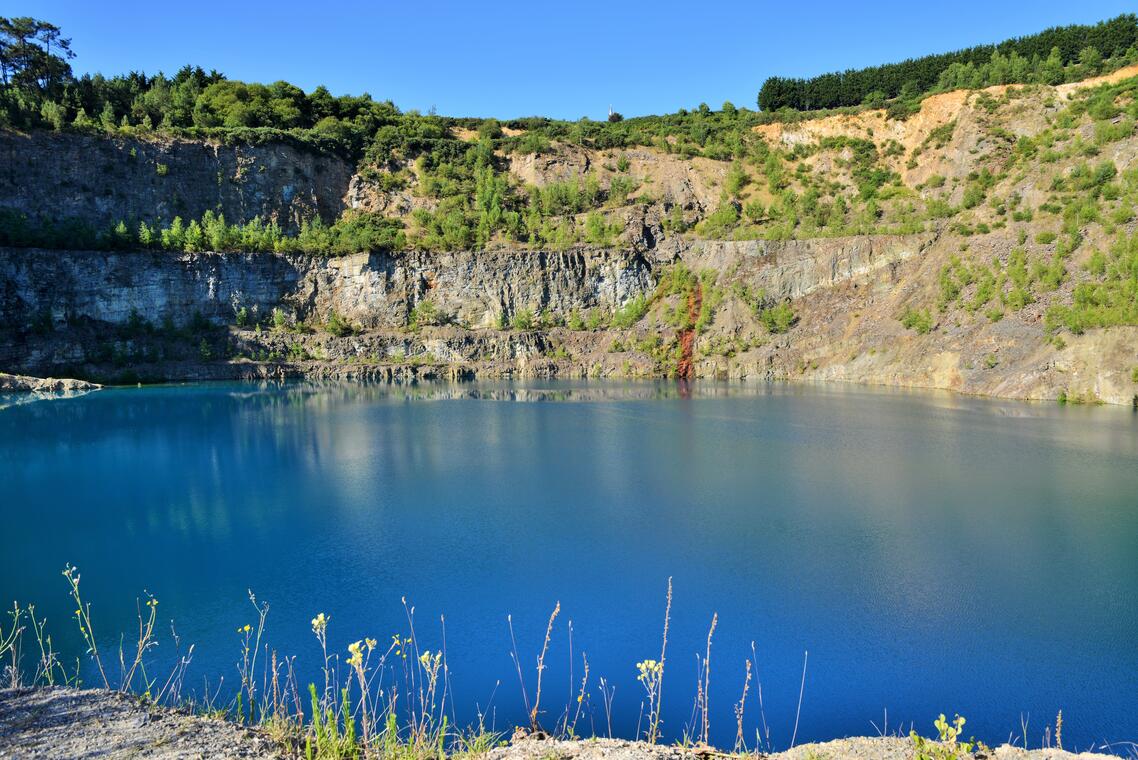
(1041, 57)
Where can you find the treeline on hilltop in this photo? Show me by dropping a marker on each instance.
(39, 89)
(1049, 57)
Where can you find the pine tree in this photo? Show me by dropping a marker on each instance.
(1052, 69)
(145, 235)
(107, 118)
(52, 113)
(82, 120)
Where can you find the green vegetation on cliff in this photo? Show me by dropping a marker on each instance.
(451, 183)
(354, 233)
(1041, 166)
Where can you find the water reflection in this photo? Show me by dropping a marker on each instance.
(934, 552)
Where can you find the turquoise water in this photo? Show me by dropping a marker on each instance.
(933, 553)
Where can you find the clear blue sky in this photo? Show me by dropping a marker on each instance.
(509, 59)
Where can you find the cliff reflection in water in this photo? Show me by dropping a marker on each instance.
(933, 552)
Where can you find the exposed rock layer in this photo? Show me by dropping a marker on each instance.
(102, 180)
(103, 315)
(379, 290)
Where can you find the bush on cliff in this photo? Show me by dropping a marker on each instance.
(778, 318)
(353, 233)
(918, 320)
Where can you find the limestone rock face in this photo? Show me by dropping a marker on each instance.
(379, 290)
(795, 268)
(100, 313)
(103, 180)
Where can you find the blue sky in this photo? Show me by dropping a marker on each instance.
(510, 59)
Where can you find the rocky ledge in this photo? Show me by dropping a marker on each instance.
(64, 724)
(26, 384)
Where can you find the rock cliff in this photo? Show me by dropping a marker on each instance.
(1002, 220)
(102, 180)
(175, 316)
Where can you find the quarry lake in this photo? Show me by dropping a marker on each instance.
(933, 553)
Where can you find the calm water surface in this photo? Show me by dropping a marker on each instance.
(933, 553)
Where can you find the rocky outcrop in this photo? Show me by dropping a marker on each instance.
(377, 290)
(125, 317)
(22, 389)
(795, 268)
(102, 180)
(27, 384)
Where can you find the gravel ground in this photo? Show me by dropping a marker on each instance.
(69, 724)
(858, 748)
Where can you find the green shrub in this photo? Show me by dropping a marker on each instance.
(719, 224)
(711, 296)
(973, 196)
(918, 320)
(595, 320)
(620, 188)
(425, 313)
(631, 313)
(338, 326)
(778, 318)
(736, 180)
(598, 231)
(1111, 300)
(938, 208)
(489, 129)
